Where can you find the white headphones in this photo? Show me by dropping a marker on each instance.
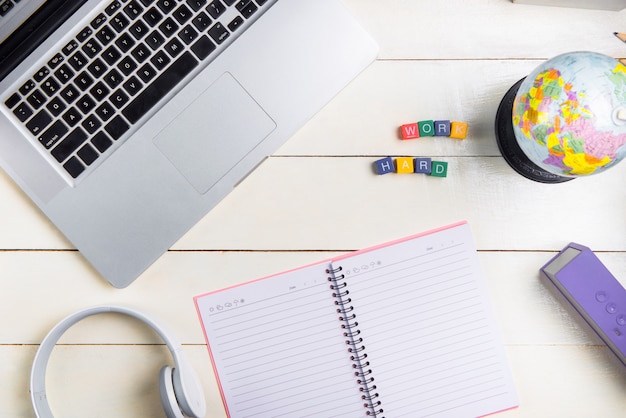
(181, 392)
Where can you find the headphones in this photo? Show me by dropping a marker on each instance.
(180, 389)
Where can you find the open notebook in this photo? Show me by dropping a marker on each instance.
(402, 329)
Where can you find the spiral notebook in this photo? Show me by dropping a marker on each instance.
(404, 329)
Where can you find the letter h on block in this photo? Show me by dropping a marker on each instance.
(385, 165)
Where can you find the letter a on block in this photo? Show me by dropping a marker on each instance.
(405, 165)
(458, 130)
(384, 166)
(410, 131)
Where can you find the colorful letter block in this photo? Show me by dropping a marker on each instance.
(442, 128)
(404, 165)
(422, 165)
(458, 130)
(439, 169)
(426, 128)
(410, 131)
(384, 166)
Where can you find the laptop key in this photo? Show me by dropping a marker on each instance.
(72, 116)
(113, 7)
(74, 167)
(36, 99)
(133, 9)
(162, 85)
(56, 60)
(87, 154)
(56, 106)
(235, 23)
(203, 47)
(12, 100)
(27, 87)
(166, 6)
(41, 74)
(39, 122)
(69, 144)
(248, 10)
(215, 9)
(117, 127)
(152, 17)
(196, 4)
(50, 137)
(101, 141)
(5, 7)
(219, 33)
(23, 112)
(98, 21)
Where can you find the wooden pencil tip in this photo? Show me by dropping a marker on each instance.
(620, 36)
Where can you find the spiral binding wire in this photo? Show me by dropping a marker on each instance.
(363, 374)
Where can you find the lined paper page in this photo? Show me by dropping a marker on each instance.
(428, 329)
(279, 349)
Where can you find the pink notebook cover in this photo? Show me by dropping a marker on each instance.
(226, 363)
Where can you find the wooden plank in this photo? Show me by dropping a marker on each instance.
(309, 204)
(41, 293)
(567, 381)
(457, 29)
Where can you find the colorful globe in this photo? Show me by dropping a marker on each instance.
(569, 114)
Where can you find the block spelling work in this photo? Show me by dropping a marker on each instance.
(425, 128)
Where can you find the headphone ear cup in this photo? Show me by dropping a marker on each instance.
(168, 396)
(188, 390)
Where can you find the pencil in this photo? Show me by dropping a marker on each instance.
(620, 36)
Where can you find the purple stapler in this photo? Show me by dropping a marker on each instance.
(593, 291)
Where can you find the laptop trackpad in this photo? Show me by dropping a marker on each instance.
(214, 133)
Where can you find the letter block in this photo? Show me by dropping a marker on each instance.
(439, 169)
(442, 128)
(458, 130)
(422, 165)
(385, 165)
(404, 165)
(410, 131)
(426, 128)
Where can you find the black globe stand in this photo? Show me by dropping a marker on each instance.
(510, 149)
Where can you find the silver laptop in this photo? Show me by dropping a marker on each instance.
(127, 121)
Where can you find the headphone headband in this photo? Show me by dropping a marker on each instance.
(188, 380)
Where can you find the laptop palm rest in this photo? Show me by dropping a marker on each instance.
(218, 129)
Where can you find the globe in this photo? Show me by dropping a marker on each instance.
(566, 119)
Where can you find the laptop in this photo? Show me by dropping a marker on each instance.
(126, 121)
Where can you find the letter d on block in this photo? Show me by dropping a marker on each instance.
(439, 169)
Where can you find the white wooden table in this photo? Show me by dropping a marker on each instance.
(318, 196)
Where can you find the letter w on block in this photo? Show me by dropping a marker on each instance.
(410, 131)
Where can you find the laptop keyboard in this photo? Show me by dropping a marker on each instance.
(91, 93)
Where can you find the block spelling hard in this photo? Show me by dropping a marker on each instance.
(439, 169)
(384, 166)
(422, 165)
(458, 130)
(426, 128)
(442, 128)
(404, 165)
(410, 131)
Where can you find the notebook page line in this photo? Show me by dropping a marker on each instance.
(280, 354)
